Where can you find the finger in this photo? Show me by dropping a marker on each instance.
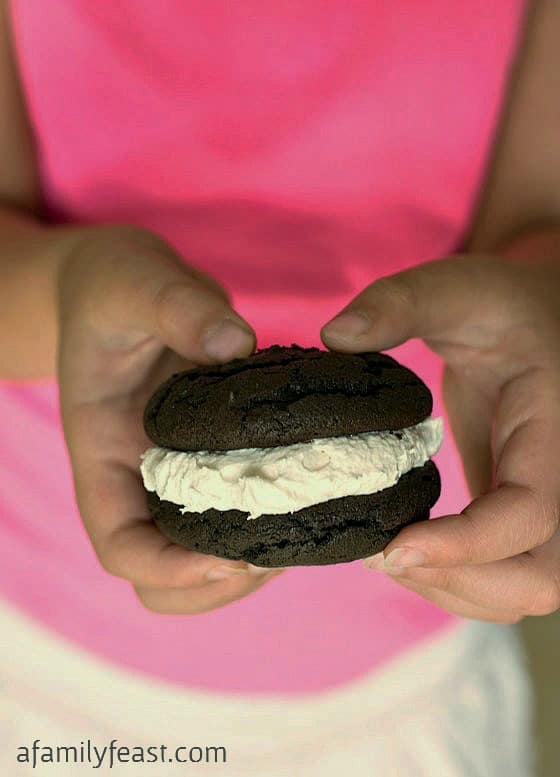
(433, 301)
(112, 502)
(113, 506)
(179, 601)
(457, 606)
(139, 553)
(524, 510)
(470, 417)
(140, 288)
(196, 323)
(523, 585)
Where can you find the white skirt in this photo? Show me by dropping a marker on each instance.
(458, 705)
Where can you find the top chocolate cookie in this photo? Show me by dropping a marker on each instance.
(284, 395)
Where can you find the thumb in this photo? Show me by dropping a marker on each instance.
(431, 301)
(113, 300)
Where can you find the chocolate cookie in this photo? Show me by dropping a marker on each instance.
(331, 532)
(292, 456)
(281, 396)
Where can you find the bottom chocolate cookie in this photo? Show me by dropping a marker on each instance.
(331, 532)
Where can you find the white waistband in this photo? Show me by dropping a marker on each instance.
(38, 663)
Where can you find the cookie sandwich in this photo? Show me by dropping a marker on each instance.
(292, 456)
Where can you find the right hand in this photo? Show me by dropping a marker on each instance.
(130, 314)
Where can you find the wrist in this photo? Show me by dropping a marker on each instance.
(36, 260)
(30, 257)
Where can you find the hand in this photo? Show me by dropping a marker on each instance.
(130, 314)
(496, 323)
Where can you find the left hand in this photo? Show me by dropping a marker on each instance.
(496, 324)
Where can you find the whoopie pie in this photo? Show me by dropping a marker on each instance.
(292, 456)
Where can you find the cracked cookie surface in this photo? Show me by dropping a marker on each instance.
(284, 395)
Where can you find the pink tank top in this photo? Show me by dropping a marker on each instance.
(296, 151)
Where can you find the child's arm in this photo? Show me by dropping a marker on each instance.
(27, 266)
(493, 314)
(120, 311)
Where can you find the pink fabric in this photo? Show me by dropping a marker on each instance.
(297, 151)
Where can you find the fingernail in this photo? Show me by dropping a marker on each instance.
(223, 573)
(227, 341)
(403, 558)
(375, 562)
(349, 324)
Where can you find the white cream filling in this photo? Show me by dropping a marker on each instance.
(272, 481)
